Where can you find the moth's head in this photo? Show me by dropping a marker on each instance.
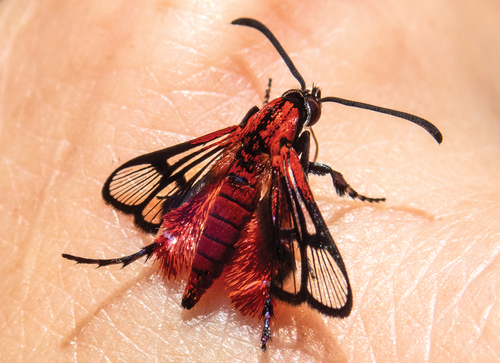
(311, 112)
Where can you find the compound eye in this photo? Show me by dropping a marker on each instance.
(315, 109)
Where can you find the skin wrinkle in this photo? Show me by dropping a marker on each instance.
(431, 327)
(420, 277)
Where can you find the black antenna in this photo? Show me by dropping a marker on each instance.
(426, 125)
(252, 23)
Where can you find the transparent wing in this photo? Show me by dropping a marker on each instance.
(310, 267)
(150, 185)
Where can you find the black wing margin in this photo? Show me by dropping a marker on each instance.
(320, 278)
(150, 185)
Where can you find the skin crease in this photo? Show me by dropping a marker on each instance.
(87, 86)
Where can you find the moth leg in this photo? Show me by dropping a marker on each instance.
(267, 314)
(268, 92)
(341, 186)
(124, 261)
(303, 146)
(249, 114)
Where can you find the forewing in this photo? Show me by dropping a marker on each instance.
(319, 276)
(150, 185)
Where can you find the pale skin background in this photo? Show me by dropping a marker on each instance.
(86, 86)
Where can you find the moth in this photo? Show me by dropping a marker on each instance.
(238, 201)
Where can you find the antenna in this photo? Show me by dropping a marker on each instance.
(426, 125)
(252, 23)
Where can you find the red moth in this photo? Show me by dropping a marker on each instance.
(238, 200)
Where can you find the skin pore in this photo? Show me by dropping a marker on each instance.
(88, 85)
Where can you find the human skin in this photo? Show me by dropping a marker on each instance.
(86, 86)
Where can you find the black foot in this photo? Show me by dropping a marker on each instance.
(340, 184)
(124, 261)
(267, 313)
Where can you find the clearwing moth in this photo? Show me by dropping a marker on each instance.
(238, 200)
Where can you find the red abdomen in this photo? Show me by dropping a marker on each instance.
(231, 211)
